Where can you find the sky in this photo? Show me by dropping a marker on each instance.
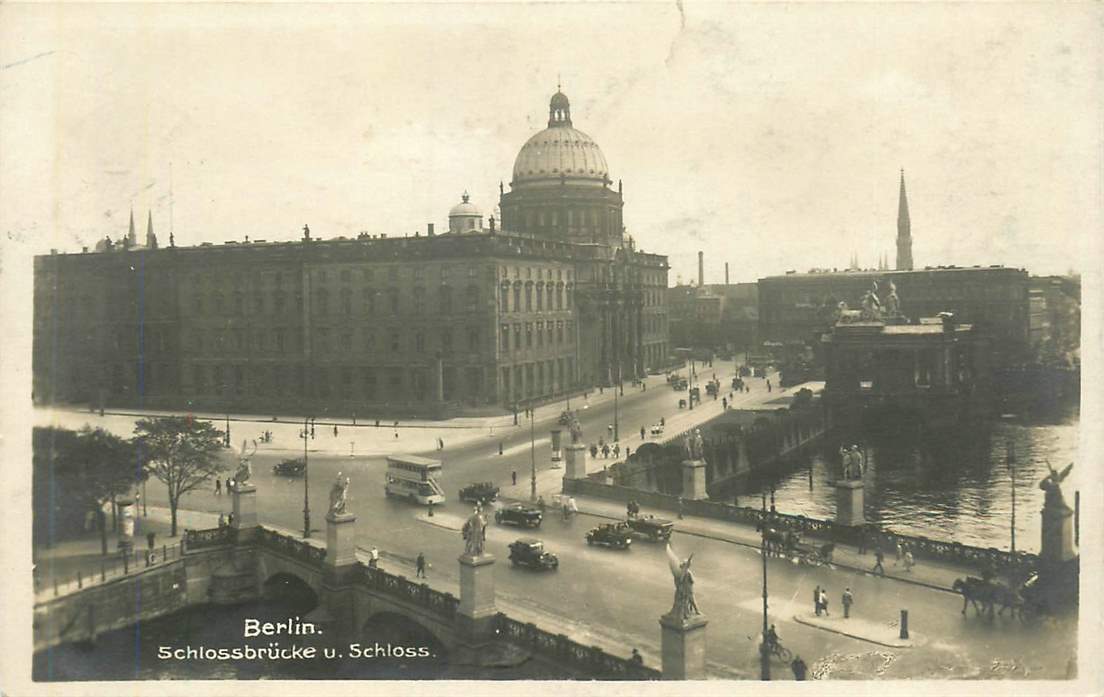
(771, 136)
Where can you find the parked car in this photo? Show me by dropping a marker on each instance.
(616, 535)
(657, 429)
(530, 552)
(520, 515)
(480, 492)
(290, 468)
(652, 528)
(679, 384)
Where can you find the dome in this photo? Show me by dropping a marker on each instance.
(557, 151)
(560, 151)
(465, 208)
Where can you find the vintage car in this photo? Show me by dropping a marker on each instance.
(480, 492)
(679, 384)
(657, 429)
(520, 515)
(616, 535)
(652, 528)
(290, 468)
(530, 552)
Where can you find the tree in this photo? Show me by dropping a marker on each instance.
(79, 471)
(182, 453)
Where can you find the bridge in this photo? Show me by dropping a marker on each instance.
(238, 564)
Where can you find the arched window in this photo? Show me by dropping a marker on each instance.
(528, 297)
(540, 296)
(517, 297)
(504, 299)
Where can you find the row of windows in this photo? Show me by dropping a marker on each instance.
(540, 377)
(557, 297)
(279, 279)
(325, 341)
(349, 382)
(536, 274)
(370, 302)
(553, 334)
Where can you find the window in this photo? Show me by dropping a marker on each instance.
(346, 300)
(517, 336)
(394, 342)
(280, 340)
(347, 341)
(369, 277)
(419, 300)
(446, 340)
(369, 341)
(540, 334)
(345, 275)
(220, 306)
(517, 297)
(369, 301)
(540, 297)
(323, 340)
(393, 274)
(368, 381)
(323, 301)
(199, 379)
(504, 299)
(394, 380)
(471, 299)
(528, 335)
(258, 304)
(473, 339)
(445, 300)
(279, 300)
(419, 342)
(528, 297)
(393, 299)
(239, 304)
(197, 305)
(419, 273)
(559, 332)
(505, 337)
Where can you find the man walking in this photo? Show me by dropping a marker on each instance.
(847, 600)
(680, 508)
(816, 600)
(420, 566)
(641, 433)
(218, 487)
(824, 600)
(878, 559)
(909, 561)
(799, 668)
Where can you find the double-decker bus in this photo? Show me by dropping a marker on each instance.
(414, 478)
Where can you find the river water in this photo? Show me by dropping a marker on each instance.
(955, 485)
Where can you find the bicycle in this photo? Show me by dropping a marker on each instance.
(781, 652)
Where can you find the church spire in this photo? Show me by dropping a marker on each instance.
(904, 231)
(151, 239)
(132, 238)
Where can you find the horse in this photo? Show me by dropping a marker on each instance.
(777, 541)
(986, 595)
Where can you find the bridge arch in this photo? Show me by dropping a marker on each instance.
(286, 588)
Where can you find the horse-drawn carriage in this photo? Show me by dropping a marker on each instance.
(787, 543)
(1026, 600)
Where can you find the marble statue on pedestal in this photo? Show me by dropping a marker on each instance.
(1051, 484)
(684, 606)
(475, 532)
(338, 493)
(245, 464)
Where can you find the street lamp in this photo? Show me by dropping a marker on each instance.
(532, 461)
(764, 649)
(616, 425)
(1010, 455)
(306, 483)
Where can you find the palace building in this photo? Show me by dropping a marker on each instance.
(553, 298)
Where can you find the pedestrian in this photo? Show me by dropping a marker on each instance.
(617, 450)
(594, 451)
(680, 508)
(499, 447)
(768, 385)
(724, 403)
(151, 538)
(605, 450)
(629, 509)
(218, 487)
(816, 600)
(641, 433)
(799, 668)
(878, 559)
(847, 600)
(900, 552)
(222, 520)
(513, 477)
(377, 423)
(396, 434)
(230, 519)
(628, 451)
(824, 600)
(636, 657)
(662, 421)
(420, 566)
(862, 539)
(228, 482)
(373, 558)
(909, 561)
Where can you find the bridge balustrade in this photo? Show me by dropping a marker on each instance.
(590, 660)
(210, 537)
(293, 547)
(443, 604)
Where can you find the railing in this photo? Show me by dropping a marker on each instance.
(1018, 564)
(212, 537)
(291, 546)
(443, 604)
(590, 660)
(108, 568)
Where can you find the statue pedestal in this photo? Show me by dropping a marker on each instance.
(1057, 543)
(576, 461)
(340, 539)
(849, 502)
(245, 508)
(683, 647)
(693, 480)
(476, 613)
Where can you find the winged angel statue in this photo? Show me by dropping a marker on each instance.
(684, 606)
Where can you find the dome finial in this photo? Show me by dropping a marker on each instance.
(559, 110)
(464, 197)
